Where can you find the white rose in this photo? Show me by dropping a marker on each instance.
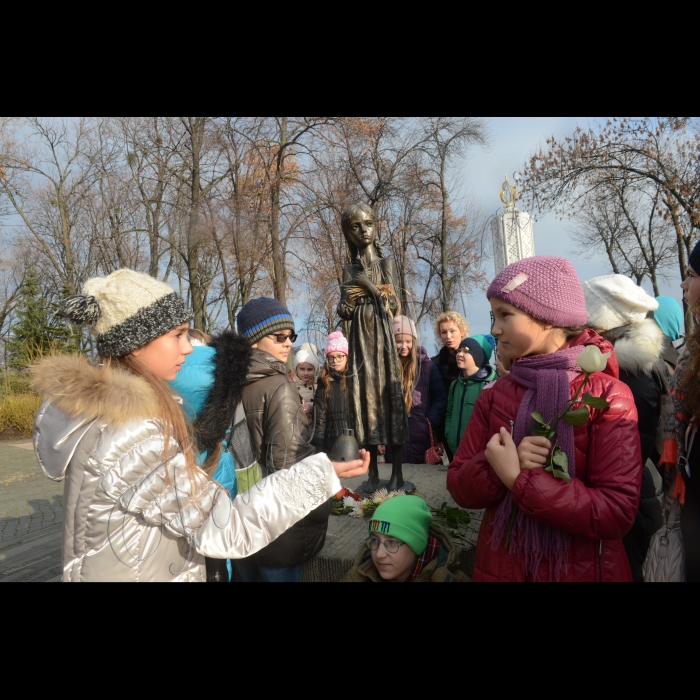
(592, 360)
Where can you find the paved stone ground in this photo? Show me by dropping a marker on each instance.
(31, 516)
(32, 557)
(29, 502)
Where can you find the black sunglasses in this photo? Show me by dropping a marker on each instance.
(281, 339)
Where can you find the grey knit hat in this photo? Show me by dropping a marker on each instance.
(126, 311)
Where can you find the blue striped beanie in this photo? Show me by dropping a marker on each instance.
(262, 317)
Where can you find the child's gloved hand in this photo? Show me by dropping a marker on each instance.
(534, 452)
(502, 455)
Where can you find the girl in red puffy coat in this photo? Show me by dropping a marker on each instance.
(560, 531)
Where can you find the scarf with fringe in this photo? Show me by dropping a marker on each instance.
(548, 381)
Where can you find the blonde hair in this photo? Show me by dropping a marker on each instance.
(409, 374)
(452, 317)
(176, 427)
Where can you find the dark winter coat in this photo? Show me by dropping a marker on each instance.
(446, 363)
(639, 349)
(443, 569)
(279, 429)
(333, 414)
(597, 509)
(429, 404)
(463, 396)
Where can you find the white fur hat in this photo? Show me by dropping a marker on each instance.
(614, 301)
(307, 353)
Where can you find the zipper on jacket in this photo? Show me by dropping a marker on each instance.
(512, 430)
(461, 409)
(599, 563)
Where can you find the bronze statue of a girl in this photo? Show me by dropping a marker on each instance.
(368, 304)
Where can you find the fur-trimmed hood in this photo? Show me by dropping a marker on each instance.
(231, 364)
(639, 347)
(79, 389)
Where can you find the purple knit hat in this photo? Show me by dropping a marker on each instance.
(545, 287)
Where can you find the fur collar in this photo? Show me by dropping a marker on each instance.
(77, 388)
(640, 348)
(231, 363)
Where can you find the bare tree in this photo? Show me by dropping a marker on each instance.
(46, 179)
(151, 155)
(11, 279)
(446, 142)
(283, 144)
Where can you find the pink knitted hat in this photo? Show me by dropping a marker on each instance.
(404, 326)
(337, 342)
(545, 287)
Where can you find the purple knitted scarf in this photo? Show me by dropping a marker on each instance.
(548, 380)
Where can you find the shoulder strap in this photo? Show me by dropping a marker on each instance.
(673, 517)
(684, 460)
(238, 418)
(432, 434)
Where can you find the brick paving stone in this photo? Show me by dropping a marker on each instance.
(36, 557)
(31, 517)
(28, 500)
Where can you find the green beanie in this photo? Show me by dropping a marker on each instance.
(487, 344)
(407, 518)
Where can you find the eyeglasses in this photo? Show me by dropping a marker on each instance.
(281, 339)
(391, 546)
(336, 360)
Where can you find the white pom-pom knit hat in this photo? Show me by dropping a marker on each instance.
(126, 311)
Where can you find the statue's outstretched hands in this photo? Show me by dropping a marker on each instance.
(349, 470)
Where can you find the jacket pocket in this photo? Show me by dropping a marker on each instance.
(508, 423)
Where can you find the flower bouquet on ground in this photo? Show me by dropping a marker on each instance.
(365, 508)
(344, 502)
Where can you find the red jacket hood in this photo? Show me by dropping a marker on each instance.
(589, 337)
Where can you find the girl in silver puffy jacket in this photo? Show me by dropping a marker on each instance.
(137, 506)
